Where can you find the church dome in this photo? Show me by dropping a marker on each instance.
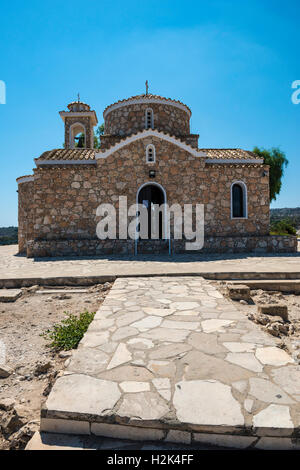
(77, 106)
(146, 111)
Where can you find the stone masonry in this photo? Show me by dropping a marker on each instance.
(170, 359)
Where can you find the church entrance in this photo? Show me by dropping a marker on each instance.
(149, 195)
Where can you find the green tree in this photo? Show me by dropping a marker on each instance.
(277, 161)
(97, 134)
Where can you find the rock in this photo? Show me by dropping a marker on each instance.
(246, 360)
(267, 392)
(65, 354)
(12, 422)
(50, 384)
(205, 402)
(20, 439)
(288, 378)
(273, 330)
(274, 416)
(280, 310)
(273, 356)
(7, 404)
(33, 288)
(121, 356)
(243, 302)
(5, 371)
(61, 297)
(144, 406)
(275, 319)
(291, 329)
(89, 395)
(284, 329)
(42, 368)
(135, 387)
(261, 319)
(9, 295)
(277, 328)
(215, 325)
(239, 292)
(92, 361)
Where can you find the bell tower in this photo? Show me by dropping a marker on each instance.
(79, 125)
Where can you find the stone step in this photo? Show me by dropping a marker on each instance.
(232, 276)
(9, 295)
(50, 441)
(282, 285)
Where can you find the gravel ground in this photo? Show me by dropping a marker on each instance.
(291, 341)
(34, 365)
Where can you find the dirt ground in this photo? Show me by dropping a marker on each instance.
(291, 341)
(34, 365)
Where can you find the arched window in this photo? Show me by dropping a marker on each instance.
(77, 136)
(149, 121)
(150, 154)
(239, 200)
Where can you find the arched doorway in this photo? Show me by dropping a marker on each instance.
(148, 195)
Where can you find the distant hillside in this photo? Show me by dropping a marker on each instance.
(8, 235)
(287, 213)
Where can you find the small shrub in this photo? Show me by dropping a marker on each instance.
(67, 334)
(283, 227)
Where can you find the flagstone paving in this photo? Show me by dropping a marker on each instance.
(13, 266)
(172, 359)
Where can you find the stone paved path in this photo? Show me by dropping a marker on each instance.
(171, 359)
(13, 266)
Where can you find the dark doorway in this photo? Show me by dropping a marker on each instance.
(148, 196)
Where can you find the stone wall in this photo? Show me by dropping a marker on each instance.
(66, 198)
(95, 247)
(251, 244)
(130, 119)
(25, 214)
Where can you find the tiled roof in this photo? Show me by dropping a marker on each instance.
(150, 97)
(88, 155)
(230, 154)
(68, 154)
(24, 176)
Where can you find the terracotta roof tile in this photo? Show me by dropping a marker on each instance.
(230, 154)
(68, 154)
(89, 154)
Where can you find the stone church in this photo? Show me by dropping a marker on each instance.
(148, 154)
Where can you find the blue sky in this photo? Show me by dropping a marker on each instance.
(232, 62)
